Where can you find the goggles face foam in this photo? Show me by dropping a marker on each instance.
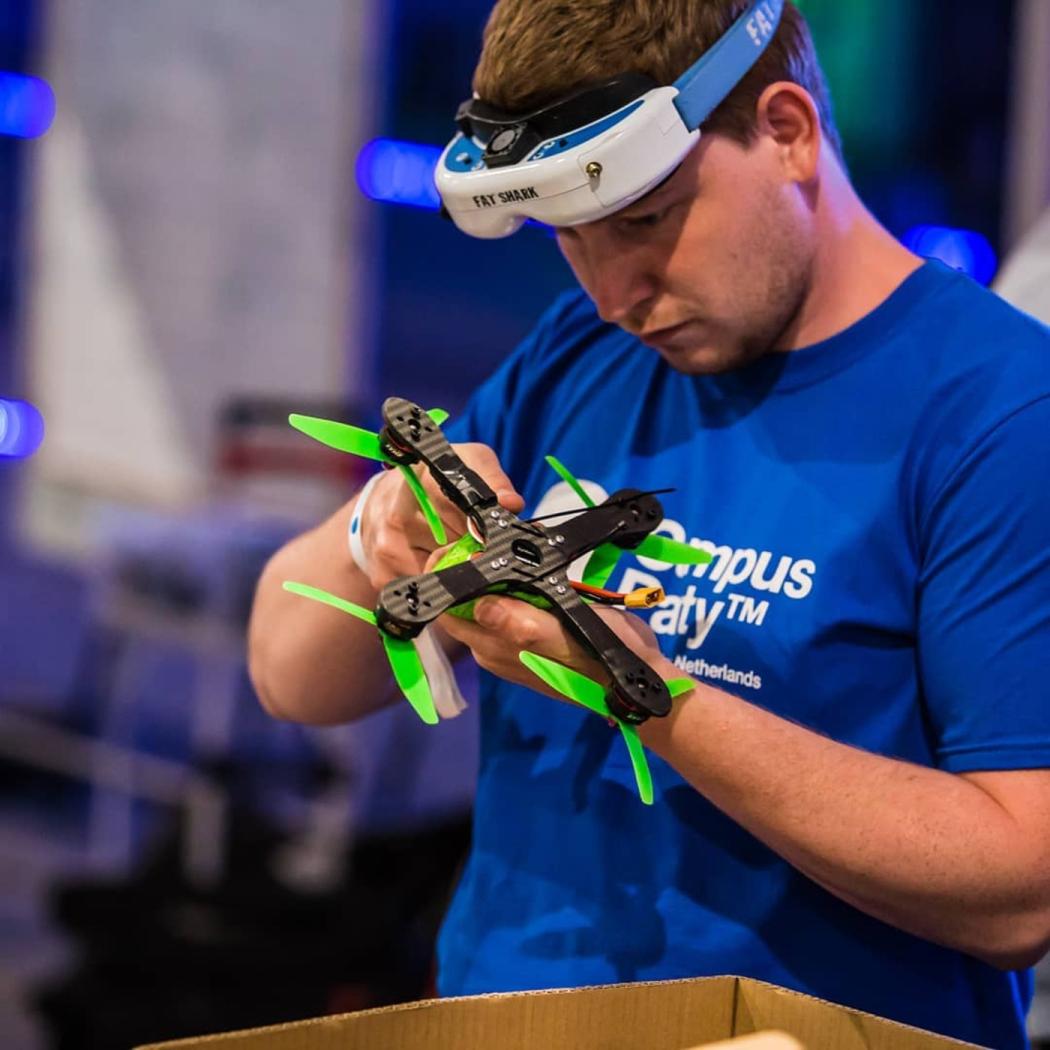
(596, 152)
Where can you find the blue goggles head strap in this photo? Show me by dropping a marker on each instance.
(707, 83)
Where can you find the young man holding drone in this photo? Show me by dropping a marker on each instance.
(855, 799)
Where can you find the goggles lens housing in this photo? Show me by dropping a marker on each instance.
(597, 151)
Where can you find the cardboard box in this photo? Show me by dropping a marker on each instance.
(660, 1015)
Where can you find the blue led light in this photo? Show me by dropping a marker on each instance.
(27, 106)
(399, 172)
(21, 429)
(963, 250)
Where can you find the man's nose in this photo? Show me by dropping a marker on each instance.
(622, 288)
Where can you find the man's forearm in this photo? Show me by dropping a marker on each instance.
(309, 662)
(923, 850)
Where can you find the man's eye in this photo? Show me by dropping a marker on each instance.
(646, 221)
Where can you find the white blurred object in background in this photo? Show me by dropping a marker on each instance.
(1025, 279)
(197, 239)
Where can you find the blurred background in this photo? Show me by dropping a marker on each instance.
(212, 214)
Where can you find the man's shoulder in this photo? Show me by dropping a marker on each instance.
(966, 364)
(969, 353)
(975, 327)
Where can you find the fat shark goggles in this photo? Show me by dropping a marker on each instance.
(595, 152)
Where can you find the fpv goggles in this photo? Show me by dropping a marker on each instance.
(595, 152)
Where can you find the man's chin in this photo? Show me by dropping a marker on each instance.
(702, 360)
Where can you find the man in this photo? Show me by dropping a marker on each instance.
(854, 801)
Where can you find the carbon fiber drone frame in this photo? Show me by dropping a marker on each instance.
(519, 556)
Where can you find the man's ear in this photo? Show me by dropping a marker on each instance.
(787, 113)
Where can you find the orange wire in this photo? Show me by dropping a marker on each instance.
(598, 592)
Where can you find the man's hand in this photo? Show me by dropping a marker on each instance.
(394, 533)
(502, 627)
(310, 663)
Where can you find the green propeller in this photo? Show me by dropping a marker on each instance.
(404, 660)
(600, 565)
(360, 442)
(603, 559)
(590, 694)
(437, 527)
(563, 472)
(341, 436)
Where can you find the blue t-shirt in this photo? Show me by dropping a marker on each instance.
(879, 510)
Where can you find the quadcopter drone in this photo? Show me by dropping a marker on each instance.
(522, 558)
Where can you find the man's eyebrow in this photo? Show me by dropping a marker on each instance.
(656, 193)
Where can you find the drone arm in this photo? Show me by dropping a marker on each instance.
(411, 436)
(409, 603)
(637, 692)
(625, 519)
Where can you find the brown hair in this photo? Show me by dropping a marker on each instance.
(536, 51)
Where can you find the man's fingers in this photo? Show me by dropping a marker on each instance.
(522, 626)
(478, 458)
(434, 556)
(510, 500)
(484, 461)
(409, 514)
(508, 625)
(393, 555)
(632, 630)
(519, 626)
(397, 539)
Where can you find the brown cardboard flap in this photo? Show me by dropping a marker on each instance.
(664, 1015)
(661, 1015)
(818, 1023)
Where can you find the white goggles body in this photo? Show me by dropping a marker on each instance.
(601, 150)
(568, 180)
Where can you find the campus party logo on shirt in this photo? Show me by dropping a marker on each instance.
(740, 585)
